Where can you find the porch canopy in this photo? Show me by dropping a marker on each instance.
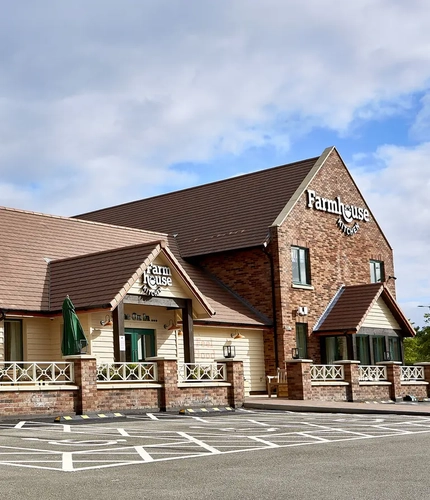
(351, 306)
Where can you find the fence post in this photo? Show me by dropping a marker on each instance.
(236, 391)
(85, 369)
(299, 378)
(351, 373)
(426, 367)
(167, 370)
(393, 376)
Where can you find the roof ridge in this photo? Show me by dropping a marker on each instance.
(77, 220)
(110, 250)
(220, 181)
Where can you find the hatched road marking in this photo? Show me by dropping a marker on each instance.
(155, 438)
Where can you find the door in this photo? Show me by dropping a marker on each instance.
(139, 344)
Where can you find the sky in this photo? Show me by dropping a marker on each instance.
(105, 102)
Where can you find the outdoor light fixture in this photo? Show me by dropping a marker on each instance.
(391, 278)
(107, 321)
(170, 325)
(295, 353)
(229, 351)
(237, 335)
(387, 356)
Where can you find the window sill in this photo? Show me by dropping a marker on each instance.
(303, 287)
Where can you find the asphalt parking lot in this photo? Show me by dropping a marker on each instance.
(158, 447)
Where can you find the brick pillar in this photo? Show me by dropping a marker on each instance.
(168, 377)
(393, 376)
(236, 391)
(426, 375)
(299, 378)
(85, 369)
(352, 376)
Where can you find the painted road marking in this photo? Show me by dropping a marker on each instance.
(96, 446)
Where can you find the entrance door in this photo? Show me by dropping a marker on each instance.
(139, 344)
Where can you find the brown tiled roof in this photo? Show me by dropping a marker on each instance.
(44, 258)
(351, 305)
(225, 215)
(94, 280)
(30, 240)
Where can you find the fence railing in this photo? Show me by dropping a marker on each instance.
(326, 373)
(202, 372)
(411, 373)
(372, 373)
(37, 372)
(127, 372)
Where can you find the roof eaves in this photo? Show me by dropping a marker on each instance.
(299, 191)
(196, 292)
(396, 311)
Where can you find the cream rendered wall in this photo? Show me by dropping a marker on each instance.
(380, 317)
(208, 346)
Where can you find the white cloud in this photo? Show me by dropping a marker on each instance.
(100, 101)
(397, 191)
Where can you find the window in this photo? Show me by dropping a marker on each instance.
(378, 348)
(377, 274)
(300, 261)
(363, 349)
(394, 348)
(302, 339)
(334, 349)
(13, 340)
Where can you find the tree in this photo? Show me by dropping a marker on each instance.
(417, 349)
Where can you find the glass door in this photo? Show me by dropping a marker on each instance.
(139, 344)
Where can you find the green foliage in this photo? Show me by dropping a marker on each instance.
(417, 349)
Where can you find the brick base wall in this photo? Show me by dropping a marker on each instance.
(330, 392)
(127, 399)
(55, 402)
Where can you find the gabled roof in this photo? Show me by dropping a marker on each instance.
(31, 240)
(350, 306)
(45, 257)
(102, 279)
(224, 215)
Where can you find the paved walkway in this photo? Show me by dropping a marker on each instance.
(274, 403)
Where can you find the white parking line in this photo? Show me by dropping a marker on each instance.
(200, 443)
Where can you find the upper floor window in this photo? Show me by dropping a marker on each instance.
(300, 261)
(377, 274)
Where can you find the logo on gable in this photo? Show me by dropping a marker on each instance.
(154, 279)
(348, 213)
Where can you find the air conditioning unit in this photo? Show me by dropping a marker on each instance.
(302, 311)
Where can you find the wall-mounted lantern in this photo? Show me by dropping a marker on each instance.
(295, 353)
(229, 351)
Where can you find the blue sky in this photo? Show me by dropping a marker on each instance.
(104, 102)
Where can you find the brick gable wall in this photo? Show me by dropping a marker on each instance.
(335, 258)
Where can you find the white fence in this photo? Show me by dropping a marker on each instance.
(372, 373)
(412, 373)
(38, 373)
(202, 372)
(127, 372)
(326, 373)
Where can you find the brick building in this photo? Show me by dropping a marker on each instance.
(298, 245)
(283, 263)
